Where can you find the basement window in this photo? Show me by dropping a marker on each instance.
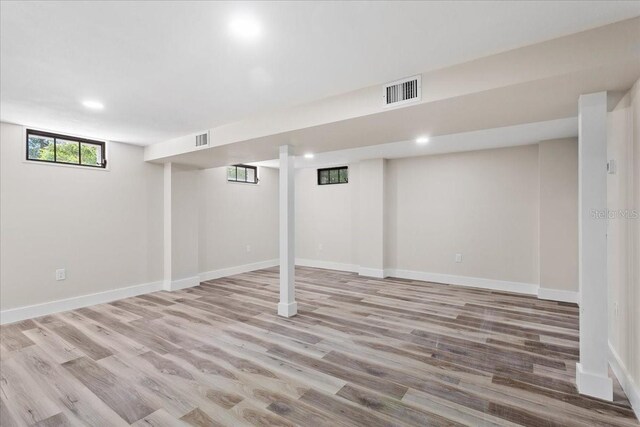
(67, 150)
(339, 175)
(242, 173)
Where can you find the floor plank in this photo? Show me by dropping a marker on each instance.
(119, 395)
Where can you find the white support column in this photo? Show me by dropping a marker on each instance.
(167, 230)
(288, 306)
(592, 376)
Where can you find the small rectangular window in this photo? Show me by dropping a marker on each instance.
(339, 175)
(242, 173)
(68, 150)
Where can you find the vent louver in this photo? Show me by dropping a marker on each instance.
(202, 139)
(402, 91)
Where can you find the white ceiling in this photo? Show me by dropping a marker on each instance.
(165, 69)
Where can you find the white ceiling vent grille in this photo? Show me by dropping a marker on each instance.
(402, 91)
(202, 139)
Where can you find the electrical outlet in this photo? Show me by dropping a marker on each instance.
(61, 274)
(248, 248)
(319, 246)
(458, 257)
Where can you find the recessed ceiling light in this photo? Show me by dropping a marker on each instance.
(308, 156)
(422, 140)
(245, 27)
(93, 105)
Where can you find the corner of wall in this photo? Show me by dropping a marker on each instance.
(625, 379)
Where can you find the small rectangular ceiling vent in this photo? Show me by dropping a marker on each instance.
(202, 139)
(402, 91)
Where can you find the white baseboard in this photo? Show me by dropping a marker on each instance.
(188, 282)
(372, 272)
(230, 271)
(594, 385)
(28, 312)
(558, 295)
(329, 265)
(474, 282)
(43, 309)
(629, 386)
(499, 285)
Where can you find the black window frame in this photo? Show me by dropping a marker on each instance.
(338, 168)
(69, 138)
(255, 174)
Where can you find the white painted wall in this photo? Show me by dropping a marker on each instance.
(326, 219)
(234, 216)
(481, 204)
(432, 207)
(623, 243)
(558, 169)
(104, 227)
(484, 205)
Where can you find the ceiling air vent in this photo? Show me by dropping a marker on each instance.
(402, 91)
(202, 139)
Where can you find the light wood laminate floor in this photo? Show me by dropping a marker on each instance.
(361, 351)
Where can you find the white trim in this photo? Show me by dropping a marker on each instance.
(43, 309)
(474, 282)
(594, 385)
(558, 295)
(188, 282)
(230, 271)
(37, 310)
(626, 381)
(329, 265)
(287, 309)
(372, 272)
(64, 165)
(28, 312)
(448, 279)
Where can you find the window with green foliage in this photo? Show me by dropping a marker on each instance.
(339, 175)
(242, 173)
(54, 148)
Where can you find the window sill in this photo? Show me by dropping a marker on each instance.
(248, 184)
(84, 168)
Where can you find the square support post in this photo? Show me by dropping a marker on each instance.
(287, 306)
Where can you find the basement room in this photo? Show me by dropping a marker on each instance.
(320, 213)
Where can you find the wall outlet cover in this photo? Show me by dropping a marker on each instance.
(61, 274)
